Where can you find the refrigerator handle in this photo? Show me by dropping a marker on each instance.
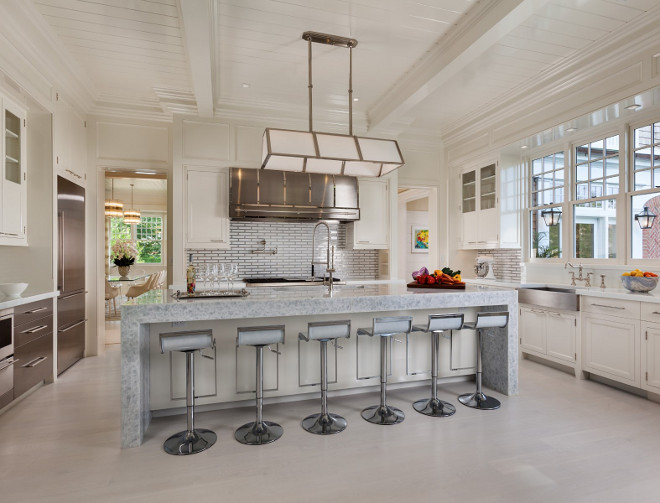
(60, 256)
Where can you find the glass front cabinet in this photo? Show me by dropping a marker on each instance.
(479, 203)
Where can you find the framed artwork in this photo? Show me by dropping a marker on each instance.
(420, 239)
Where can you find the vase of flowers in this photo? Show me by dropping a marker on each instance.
(123, 255)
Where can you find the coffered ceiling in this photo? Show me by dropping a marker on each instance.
(419, 64)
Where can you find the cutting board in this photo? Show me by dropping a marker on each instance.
(460, 286)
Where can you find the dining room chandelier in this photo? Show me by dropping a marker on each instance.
(131, 216)
(338, 154)
(113, 207)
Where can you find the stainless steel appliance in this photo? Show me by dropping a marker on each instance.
(289, 281)
(70, 274)
(484, 267)
(6, 356)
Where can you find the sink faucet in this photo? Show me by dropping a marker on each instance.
(587, 279)
(329, 258)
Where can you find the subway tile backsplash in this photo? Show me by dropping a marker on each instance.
(293, 241)
(506, 263)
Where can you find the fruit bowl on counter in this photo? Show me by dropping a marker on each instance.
(638, 281)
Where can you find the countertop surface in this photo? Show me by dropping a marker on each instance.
(27, 297)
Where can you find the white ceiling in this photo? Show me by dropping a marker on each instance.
(419, 64)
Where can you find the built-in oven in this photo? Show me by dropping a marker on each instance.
(6, 351)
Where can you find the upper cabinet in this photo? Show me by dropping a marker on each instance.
(13, 183)
(69, 142)
(372, 230)
(206, 207)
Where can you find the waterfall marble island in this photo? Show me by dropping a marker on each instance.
(153, 383)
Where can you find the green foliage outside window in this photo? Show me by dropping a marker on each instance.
(148, 237)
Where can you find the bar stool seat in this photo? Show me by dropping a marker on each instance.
(437, 324)
(385, 327)
(259, 431)
(325, 423)
(192, 440)
(478, 400)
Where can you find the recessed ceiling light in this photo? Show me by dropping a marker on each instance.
(523, 146)
(356, 99)
(245, 85)
(634, 106)
(571, 129)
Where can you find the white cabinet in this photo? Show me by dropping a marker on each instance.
(651, 357)
(206, 207)
(13, 182)
(479, 208)
(372, 231)
(548, 334)
(69, 142)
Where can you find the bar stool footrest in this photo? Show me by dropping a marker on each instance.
(479, 401)
(435, 408)
(321, 424)
(185, 442)
(383, 414)
(258, 433)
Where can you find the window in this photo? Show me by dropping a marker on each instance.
(547, 190)
(595, 229)
(148, 236)
(597, 169)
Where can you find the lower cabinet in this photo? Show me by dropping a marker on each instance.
(70, 345)
(549, 334)
(35, 363)
(651, 357)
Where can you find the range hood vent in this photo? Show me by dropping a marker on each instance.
(256, 193)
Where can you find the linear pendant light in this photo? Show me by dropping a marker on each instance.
(338, 154)
(113, 208)
(131, 216)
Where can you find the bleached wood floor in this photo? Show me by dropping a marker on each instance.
(560, 440)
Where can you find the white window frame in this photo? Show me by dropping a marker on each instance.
(163, 255)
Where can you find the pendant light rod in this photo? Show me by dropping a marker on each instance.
(309, 80)
(350, 90)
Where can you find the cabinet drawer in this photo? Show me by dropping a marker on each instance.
(35, 364)
(612, 307)
(32, 311)
(28, 332)
(70, 309)
(650, 311)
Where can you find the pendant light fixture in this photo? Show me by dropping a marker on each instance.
(645, 218)
(131, 216)
(113, 208)
(551, 217)
(338, 154)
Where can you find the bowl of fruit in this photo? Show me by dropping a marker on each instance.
(440, 278)
(639, 281)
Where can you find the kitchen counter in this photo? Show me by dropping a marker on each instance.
(500, 354)
(27, 297)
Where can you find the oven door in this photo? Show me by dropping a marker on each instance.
(6, 377)
(6, 333)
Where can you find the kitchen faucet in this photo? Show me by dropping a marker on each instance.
(587, 279)
(329, 258)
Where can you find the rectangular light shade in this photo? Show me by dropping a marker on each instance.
(306, 151)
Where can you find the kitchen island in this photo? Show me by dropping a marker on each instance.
(157, 312)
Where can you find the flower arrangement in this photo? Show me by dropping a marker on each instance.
(123, 252)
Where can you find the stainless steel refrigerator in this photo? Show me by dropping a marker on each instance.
(70, 274)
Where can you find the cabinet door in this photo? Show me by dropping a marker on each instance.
(560, 329)
(13, 184)
(372, 230)
(532, 330)
(69, 142)
(611, 347)
(35, 363)
(651, 357)
(207, 208)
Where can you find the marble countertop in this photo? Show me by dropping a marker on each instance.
(27, 297)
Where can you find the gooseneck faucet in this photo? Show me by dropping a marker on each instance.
(329, 258)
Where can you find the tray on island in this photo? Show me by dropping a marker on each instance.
(210, 295)
(459, 286)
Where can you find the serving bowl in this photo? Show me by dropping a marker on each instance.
(13, 290)
(639, 284)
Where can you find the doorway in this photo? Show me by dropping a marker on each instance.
(418, 240)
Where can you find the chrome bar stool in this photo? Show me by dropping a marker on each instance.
(384, 328)
(478, 400)
(260, 432)
(325, 423)
(437, 324)
(193, 440)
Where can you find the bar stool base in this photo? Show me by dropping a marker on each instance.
(479, 401)
(383, 414)
(184, 442)
(258, 433)
(435, 408)
(320, 424)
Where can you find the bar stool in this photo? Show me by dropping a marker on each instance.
(193, 440)
(478, 400)
(437, 324)
(325, 423)
(260, 432)
(384, 328)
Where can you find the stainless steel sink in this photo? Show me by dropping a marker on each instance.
(551, 297)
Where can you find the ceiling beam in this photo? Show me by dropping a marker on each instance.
(199, 37)
(484, 26)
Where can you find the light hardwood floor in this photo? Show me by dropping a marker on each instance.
(560, 440)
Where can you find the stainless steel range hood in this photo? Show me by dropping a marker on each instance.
(256, 193)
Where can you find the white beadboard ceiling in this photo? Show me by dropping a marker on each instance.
(419, 64)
